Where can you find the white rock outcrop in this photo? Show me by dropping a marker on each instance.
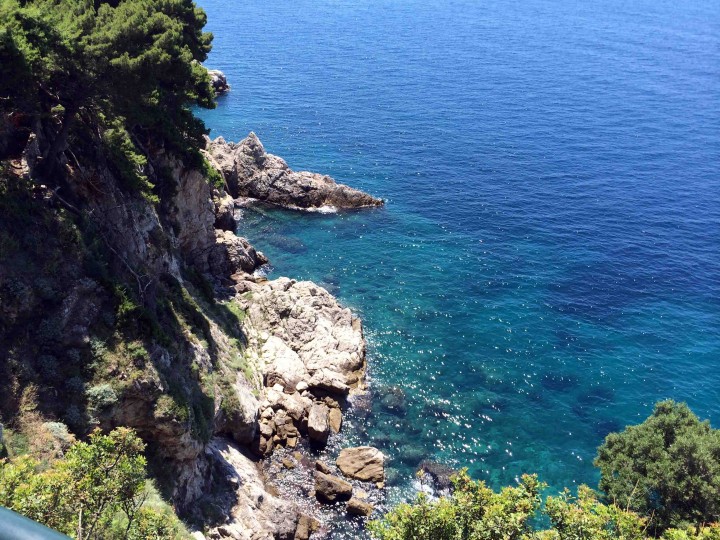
(311, 353)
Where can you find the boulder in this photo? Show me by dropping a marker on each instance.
(330, 381)
(306, 526)
(358, 507)
(285, 368)
(335, 420)
(330, 489)
(318, 426)
(362, 463)
(232, 254)
(251, 172)
(218, 80)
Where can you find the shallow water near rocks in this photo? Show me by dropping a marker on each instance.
(546, 267)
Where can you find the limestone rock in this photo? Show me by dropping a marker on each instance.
(218, 80)
(286, 367)
(335, 420)
(240, 421)
(306, 526)
(307, 347)
(224, 212)
(79, 310)
(330, 489)
(232, 253)
(358, 507)
(251, 172)
(362, 463)
(327, 379)
(254, 509)
(318, 426)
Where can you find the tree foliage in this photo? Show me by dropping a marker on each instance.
(132, 66)
(667, 468)
(662, 473)
(474, 512)
(96, 491)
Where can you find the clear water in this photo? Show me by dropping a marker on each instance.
(548, 262)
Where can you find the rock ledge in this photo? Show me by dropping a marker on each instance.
(251, 172)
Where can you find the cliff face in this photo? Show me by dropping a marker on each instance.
(116, 309)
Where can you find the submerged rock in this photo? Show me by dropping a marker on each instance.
(362, 463)
(436, 474)
(249, 171)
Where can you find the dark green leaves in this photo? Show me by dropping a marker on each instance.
(668, 467)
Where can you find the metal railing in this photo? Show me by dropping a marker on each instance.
(16, 527)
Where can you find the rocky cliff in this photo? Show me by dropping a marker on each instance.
(122, 309)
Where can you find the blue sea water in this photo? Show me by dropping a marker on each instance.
(548, 263)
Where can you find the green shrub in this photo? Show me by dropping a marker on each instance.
(212, 175)
(473, 512)
(667, 468)
(101, 396)
(102, 480)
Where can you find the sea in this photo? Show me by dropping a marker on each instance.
(547, 264)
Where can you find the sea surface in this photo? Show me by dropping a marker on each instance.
(547, 266)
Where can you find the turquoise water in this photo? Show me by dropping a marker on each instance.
(548, 262)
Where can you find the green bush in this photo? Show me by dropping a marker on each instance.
(101, 396)
(667, 468)
(662, 473)
(473, 512)
(84, 493)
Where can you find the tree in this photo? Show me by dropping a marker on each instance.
(585, 518)
(473, 512)
(84, 494)
(667, 468)
(132, 61)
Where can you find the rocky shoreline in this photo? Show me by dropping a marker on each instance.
(308, 354)
(242, 381)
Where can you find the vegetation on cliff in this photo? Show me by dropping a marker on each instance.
(109, 314)
(660, 479)
(130, 68)
(97, 491)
